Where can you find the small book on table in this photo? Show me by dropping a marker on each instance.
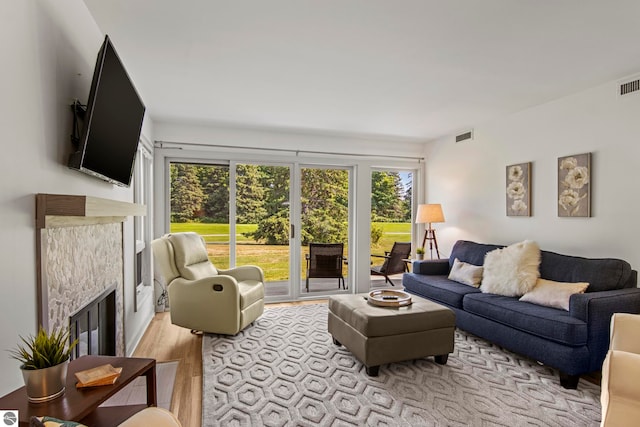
(100, 375)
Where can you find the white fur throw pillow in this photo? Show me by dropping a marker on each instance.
(511, 271)
(554, 294)
(465, 273)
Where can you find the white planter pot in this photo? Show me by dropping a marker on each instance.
(45, 384)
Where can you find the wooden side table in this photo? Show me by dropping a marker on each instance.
(82, 405)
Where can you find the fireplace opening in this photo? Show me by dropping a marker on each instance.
(94, 326)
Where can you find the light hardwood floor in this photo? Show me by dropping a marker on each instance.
(165, 342)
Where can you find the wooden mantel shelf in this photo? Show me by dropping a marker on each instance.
(61, 210)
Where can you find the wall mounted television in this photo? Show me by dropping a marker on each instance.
(108, 142)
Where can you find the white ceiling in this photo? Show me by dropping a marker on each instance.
(402, 68)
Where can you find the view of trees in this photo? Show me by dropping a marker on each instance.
(200, 193)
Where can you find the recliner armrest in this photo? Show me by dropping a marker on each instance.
(432, 267)
(620, 388)
(625, 332)
(205, 287)
(152, 416)
(245, 272)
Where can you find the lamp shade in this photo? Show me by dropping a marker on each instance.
(429, 213)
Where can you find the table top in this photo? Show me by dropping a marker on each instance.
(77, 403)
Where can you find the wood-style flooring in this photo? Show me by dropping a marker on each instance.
(165, 342)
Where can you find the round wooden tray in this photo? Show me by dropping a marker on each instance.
(389, 298)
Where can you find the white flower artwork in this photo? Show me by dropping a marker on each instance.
(574, 185)
(518, 190)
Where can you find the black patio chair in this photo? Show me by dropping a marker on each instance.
(394, 261)
(324, 260)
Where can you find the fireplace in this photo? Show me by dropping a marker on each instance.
(94, 326)
(80, 253)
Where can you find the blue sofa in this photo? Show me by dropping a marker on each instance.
(575, 342)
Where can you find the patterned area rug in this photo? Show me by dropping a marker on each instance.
(285, 371)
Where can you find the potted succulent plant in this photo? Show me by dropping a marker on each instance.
(419, 253)
(45, 358)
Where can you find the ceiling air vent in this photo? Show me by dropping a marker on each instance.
(464, 136)
(629, 87)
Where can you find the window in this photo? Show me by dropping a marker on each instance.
(142, 193)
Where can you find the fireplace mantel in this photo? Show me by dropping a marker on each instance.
(62, 210)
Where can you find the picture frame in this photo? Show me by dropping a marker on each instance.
(518, 189)
(574, 185)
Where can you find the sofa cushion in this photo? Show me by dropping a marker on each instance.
(554, 294)
(602, 274)
(470, 252)
(511, 271)
(437, 288)
(545, 322)
(465, 273)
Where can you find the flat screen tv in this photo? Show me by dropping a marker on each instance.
(109, 138)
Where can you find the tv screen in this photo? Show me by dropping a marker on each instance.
(113, 121)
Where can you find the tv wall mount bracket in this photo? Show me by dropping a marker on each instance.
(79, 111)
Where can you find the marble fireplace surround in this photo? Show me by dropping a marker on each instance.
(79, 244)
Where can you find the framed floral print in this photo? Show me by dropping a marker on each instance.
(574, 185)
(519, 189)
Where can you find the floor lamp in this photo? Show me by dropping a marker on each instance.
(428, 214)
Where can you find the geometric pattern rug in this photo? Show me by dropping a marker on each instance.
(285, 371)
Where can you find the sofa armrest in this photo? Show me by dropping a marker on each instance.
(596, 309)
(588, 305)
(432, 267)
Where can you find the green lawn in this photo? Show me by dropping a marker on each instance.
(214, 232)
(273, 259)
(392, 232)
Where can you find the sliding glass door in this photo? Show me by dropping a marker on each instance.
(262, 220)
(254, 213)
(391, 207)
(200, 203)
(324, 225)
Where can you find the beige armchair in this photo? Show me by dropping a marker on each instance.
(152, 416)
(201, 297)
(620, 387)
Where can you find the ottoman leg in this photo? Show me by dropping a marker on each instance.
(442, 359)
(372, 371)
(336, 342)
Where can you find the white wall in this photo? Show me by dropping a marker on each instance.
(48, 50)
(469, 178)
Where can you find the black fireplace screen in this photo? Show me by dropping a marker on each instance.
(95, 326)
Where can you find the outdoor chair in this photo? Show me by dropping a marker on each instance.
(394, 261)
(324, 260)
(201, 297)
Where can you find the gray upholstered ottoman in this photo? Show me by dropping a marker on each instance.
(377, 335)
